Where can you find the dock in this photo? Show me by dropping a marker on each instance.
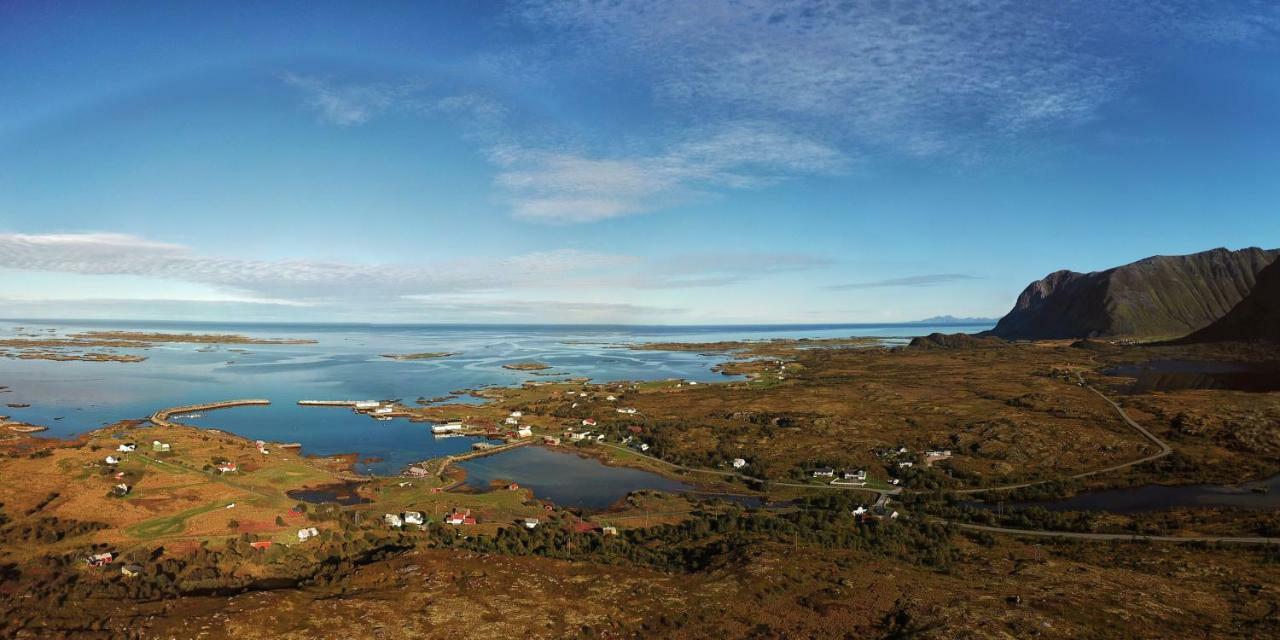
(327, 403)
(448, 460)
(161, 417)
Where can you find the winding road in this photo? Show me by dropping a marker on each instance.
(1165, 449)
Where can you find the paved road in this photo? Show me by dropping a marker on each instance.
(1114, 536)
(743, 476)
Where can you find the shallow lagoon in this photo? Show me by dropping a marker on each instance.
(347, 363)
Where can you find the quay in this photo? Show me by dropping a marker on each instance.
(480, 453)
(161, 417)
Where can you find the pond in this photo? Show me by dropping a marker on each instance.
(1263, 494)
(343, 493)
(1178, 375)
(565, 478)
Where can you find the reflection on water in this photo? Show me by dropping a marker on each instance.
(565, 478)
(1178, 375)
(1264, 494)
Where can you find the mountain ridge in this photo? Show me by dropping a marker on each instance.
(1158, 296)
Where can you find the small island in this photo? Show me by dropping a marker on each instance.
(194, 338)
(526, 366)
(428, 355)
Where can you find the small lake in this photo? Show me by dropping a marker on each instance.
(1157, 497)
(1179, 375)
(341, 493)
(564, 478)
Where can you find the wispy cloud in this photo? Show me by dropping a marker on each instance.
(920, 78)
(348, 104)
(910, 281)
(292, 280)
(564, 187)
(456, 281)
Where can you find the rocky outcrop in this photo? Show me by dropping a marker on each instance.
(955, 341)
(1256, 318)
(1161, 296)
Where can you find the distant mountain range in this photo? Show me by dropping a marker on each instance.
(943, 320)
(1212, 295)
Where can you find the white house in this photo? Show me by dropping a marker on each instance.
(413, 517)
(626, 410)
(574, 437)
(392, 520)
(644, 447)
(127, 448)
(511, 420)
(524, 432)
(113, 460)
(307, 533)
(610, 398)
(904, 465)
(824, 472)
(859, 510)
(530, 523)
(739, 463)
(448, 427)
(517, 414)
(860, 474)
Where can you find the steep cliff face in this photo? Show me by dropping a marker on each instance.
(1257, 317)
(1161, 296)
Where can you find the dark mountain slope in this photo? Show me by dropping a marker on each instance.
(1257, 317)
(1161, 296)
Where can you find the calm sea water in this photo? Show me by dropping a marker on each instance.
(346, 363)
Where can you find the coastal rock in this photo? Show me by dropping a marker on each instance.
(1160, 296)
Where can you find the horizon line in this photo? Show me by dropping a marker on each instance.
(955, 322)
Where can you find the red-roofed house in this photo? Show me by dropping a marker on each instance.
(460, 518)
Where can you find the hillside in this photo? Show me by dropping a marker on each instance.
(1160, 296)
(1257, 317)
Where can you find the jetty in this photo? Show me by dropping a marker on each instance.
(328, 403)
(480, 453)
(161, 418)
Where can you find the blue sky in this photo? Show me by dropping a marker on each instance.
(644, 162)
